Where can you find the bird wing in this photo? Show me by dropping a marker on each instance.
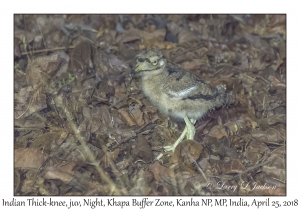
(183, 84)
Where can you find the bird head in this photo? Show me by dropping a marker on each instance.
(149, 62)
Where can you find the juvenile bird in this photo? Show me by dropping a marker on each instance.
(176, 92)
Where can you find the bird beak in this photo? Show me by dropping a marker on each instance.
(133, 72)
(136, 69)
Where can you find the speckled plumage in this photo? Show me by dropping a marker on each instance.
(177, 92)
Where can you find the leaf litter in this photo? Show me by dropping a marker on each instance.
(83, 127)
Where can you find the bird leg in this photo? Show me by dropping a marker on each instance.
(181, 137)
(190, 128)
(189, 132)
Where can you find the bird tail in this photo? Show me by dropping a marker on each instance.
(229, 99)
(224, 98)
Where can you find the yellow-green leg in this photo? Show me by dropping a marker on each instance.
(190, 128)
(189, 131)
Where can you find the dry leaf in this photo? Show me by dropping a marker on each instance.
(53, 173)
(161, 173)
(81, 59)
(28, 158)
(234, 166)
(218, 131)
(142, 149)
(127, 117)
(186, 153)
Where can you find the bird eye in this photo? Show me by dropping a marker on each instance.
(154, 62)
(140, 60)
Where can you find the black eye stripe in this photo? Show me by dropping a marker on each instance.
(139, 59)
(147, 60)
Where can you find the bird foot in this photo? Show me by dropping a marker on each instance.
(188, 132)
(181, 137)
(170, 148)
